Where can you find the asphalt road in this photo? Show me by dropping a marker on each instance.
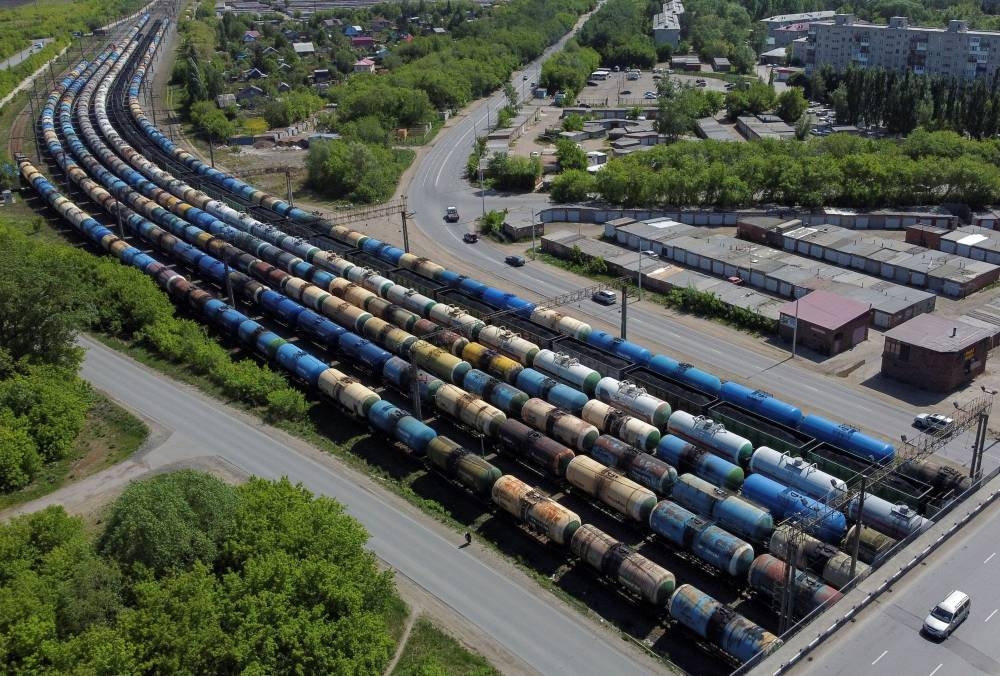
(22, 55)
(438, 182)
(886, 637)
(525, 620)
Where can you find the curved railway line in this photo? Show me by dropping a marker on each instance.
(697, 501)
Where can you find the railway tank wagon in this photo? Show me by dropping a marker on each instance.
(719, 624)
(684, 530)
(731, 512)
(783, 502)
(705, 432)
(690, 459)
(635, 572)
(808, 553)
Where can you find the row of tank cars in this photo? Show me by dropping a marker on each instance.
(695, 484)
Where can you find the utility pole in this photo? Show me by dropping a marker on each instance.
(532, 235)
(415, 389)
(795, 328)
(211, 151)
(118, 216)
(406, 234)
(288, 184)
(788, 590)
(229, 282)
(624, 311)
(856, 545)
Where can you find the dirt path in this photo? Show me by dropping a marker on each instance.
(403, 640)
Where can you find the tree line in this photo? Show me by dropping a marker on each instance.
(48, 293)
(838, 170)
(190, 575)
(902, 102)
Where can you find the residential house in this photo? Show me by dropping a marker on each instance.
(321, 75)
(364, 66)
(353, 31)
(284, 87)
(254, 74)
(251, 36)
(270, 50)
(363, 42)
(225, 100)
(437, 30)
(249, 95)
(381, 24)
(304, 48)
(332, 23)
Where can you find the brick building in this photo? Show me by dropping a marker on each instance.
(828, 323)
(935, 353)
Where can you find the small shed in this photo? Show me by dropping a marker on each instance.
(720, 64)
(225, 100)
(935, 353)
(827, 322)
(364, 66)
(304, 48)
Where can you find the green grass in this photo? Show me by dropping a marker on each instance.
(109, 435)
(430, 651)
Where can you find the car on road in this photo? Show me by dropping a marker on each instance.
(625, 92)
(945, 617)
(649, 96)
(514, 261)
(524, 78)
(933, 422)
(470, 238)
(604, 297)
(451, 214)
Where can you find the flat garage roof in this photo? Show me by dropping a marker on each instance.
(825, 309)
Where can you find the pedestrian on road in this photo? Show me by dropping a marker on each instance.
(468, 538)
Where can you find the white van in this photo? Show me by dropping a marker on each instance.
(945, 617)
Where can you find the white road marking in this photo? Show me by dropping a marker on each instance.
(884, 653)
(990, 557)
(990, 616)
(936, 669)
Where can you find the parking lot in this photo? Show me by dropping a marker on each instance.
(618, 90)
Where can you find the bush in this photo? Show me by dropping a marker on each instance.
(513, 172)
(169, 522)
(286, 404)
(572, 186)
(19, 459)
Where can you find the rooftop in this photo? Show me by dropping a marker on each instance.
(935, 333)
(825, 309)
(797, 18)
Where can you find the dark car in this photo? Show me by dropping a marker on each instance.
(470, 238)
(514, 261)
(625, 92)
(604, 297)
(451, 214)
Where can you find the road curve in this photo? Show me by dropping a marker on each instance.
(529, 623)
(438, 181)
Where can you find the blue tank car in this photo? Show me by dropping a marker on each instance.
(685, 373)
(762, 403)
(848, 438)
(825, 523)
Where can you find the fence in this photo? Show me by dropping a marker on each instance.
(891, 580)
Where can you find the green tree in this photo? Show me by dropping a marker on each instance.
(572, 186)
(40, 313)
(169, 522)
(572, 122)
(570, 156)
(791, 105)
(19, 459)
(212, 121)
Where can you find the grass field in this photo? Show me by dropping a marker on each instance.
(431, 651)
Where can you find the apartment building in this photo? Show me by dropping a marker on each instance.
(954, 51)
(667, 24)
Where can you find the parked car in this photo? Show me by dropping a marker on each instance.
(735, 280)
(470, 238)
(700, 80)
(604, 297)
(657, 77)
(514, 261)
(945, 617)
(649, 96)
(451, 214)
(933, 422)
(591, 83)
(625, 92)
